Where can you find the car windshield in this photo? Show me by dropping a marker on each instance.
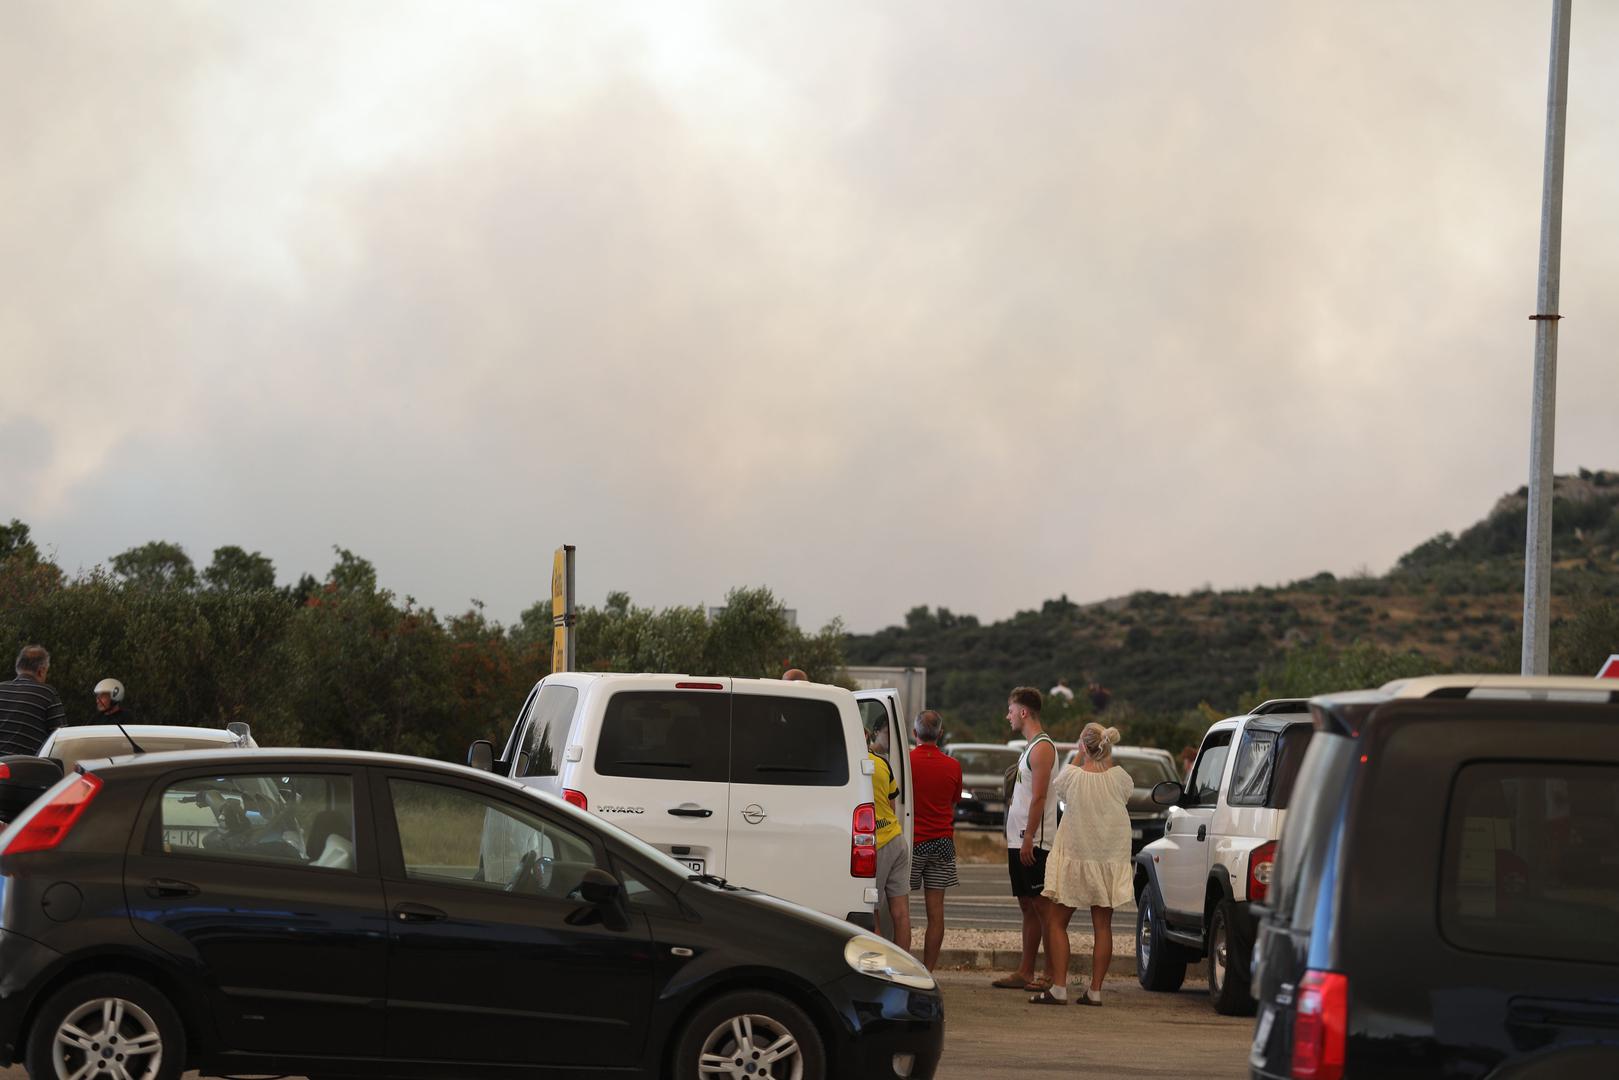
(985, 760)
(1145, 772)
(72, 751)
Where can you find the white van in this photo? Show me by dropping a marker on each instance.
(762, 782)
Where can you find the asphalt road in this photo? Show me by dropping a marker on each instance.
(984, 901)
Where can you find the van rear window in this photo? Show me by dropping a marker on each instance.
(665, 735)
(1531, 862)
(788, 741)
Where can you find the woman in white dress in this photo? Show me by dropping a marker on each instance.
(1089, 865)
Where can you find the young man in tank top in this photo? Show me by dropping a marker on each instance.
(1031, 826)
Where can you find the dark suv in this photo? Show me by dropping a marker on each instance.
(333, 914)
(1446, 890)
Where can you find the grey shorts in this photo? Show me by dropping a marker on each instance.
(894, 867)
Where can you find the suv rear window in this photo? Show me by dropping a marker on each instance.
(781, 740)
(1267, 764)
(1531, 862)
(665, 735)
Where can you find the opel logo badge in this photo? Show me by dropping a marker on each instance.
(753, 813)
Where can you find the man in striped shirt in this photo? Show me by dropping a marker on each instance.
(29, 710)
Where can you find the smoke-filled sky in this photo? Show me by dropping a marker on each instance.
(878, 305)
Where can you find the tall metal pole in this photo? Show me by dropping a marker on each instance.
(1537, 564)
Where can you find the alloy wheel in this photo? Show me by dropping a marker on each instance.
(1144, 938)
(751, 1047)
(1218, 949)
(108, 1039)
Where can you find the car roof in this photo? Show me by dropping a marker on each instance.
(99, 731)
(234, 757)
(1345, 711)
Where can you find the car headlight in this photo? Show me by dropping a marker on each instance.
(886, 961)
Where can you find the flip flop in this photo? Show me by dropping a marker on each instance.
(1013, 982)
(1045, 997)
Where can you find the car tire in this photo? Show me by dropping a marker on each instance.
(728, 1025)
(112, 1012)
(1229, 957)
(1160, 963)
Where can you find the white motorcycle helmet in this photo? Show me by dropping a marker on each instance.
(112, 688)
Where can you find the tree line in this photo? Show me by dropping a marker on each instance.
(340, 661)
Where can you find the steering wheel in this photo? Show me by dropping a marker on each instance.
(533, 874)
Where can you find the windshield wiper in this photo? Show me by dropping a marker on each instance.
(711, 879)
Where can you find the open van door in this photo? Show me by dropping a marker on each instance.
(880, 708)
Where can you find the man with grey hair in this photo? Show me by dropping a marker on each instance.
(29, 710)
(936, 788)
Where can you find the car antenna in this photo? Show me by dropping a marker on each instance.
(133, 745)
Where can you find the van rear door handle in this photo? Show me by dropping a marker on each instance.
(159, 887)
(690, 811)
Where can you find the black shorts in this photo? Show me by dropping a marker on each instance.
(1026, 880)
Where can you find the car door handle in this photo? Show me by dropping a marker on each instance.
(690, 811)
(418, 913)
(1202, 833)
(169, 887)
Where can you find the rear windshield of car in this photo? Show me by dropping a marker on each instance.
(1306, 857)
(985, 761)
(782, 740)
(72, 751)
(666, 735)
(1531, 864)
(1145, 772)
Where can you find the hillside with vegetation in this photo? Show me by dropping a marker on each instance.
(1171, 662)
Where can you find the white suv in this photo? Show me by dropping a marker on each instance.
(1195, 887)
(762, 782)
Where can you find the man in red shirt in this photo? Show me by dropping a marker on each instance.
(936, 787)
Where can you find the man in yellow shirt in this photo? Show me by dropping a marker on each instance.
(893, 859)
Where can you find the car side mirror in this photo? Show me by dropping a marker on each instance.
(481, 755)
(598, 887)
(1168, 793)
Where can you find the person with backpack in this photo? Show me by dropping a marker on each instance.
(1031, 827)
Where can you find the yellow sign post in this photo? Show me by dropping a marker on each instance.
(563, 613)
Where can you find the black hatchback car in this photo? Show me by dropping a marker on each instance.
(1446, 890)
(337, 914)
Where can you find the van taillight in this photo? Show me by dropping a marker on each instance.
(1261, 862)
(1320, 1022)
(5, 772)
(576, 797)
(49, 825)
(863, 842)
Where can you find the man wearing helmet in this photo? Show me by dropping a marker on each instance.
(110, 702)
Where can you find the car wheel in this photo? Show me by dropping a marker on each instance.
(1229, 957)
(107, 1027)
(750, 1034)
(1160, 963)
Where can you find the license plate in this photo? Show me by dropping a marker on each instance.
(694, 865)
(1267, 1020)
(182, 838)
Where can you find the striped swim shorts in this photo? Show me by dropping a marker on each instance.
(933, 864)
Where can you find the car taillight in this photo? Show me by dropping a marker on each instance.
(5, 772)
(1261, 861)
(49, 825)
(1320, 1022)
(576, 797)
(863, 842)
